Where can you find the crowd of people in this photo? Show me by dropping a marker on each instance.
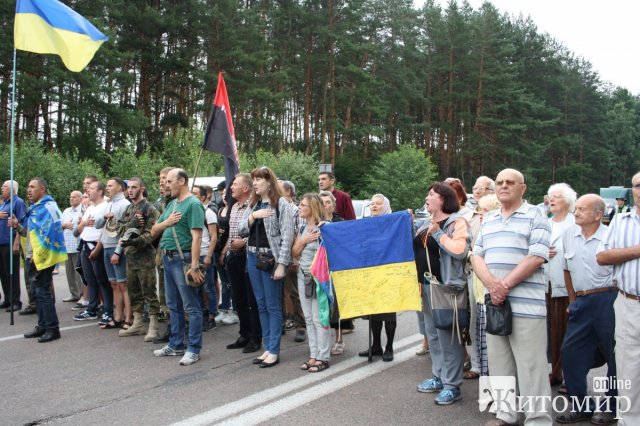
(571, 282)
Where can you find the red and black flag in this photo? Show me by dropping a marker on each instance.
(220, 136)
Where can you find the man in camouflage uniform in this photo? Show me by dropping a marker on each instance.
(134, 231)
(160, 204)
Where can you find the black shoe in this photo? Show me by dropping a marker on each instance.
(300, 336)
(251, 347)
(49, 336)
(238, 344)
(265, 364)
(208, 324)
(4, 304)
(165, 337)
(387, 355)
(374, 352)
(16, 308)
(27, 311)
(257, 361)
(36, 332)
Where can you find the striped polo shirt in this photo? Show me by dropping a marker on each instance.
(624, 232)
(504, 242)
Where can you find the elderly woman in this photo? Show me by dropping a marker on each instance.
(305, 247)
(340, 326)
(562, 201)
(380, 206)
(447, 239)
(268, 223)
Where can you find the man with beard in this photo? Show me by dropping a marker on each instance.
(135, 233)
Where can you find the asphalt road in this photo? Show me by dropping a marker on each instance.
(92, 376)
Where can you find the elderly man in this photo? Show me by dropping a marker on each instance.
(45, 242)
(621, 248)
(180, 228)
(591, 317)
(10, 280)
(484, 186)
(508, 255)
(71, 216)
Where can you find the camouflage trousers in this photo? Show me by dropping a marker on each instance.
(141, 286)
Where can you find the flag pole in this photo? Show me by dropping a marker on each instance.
(11, 190)
(195, 172)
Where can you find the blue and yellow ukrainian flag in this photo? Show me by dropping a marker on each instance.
(48, 26)
(372, 265)
(45, 233)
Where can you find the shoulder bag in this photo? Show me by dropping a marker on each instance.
(187, 266)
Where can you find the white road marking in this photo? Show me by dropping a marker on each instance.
(279, 407)
(20, 336)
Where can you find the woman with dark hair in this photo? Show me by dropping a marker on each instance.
(447, 239)
(380, 206)
(269, 225)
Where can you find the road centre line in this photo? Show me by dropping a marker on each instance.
(260, 398)
(73, 327)
(284, 405)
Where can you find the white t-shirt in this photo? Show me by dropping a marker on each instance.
(90, 233)
(212, 219)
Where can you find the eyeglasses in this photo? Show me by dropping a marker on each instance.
(508, 182)
(556, 196)
(481, 188)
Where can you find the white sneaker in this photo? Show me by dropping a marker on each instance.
(189, 358)
(230, 319)
(221, 315)
(167, 351)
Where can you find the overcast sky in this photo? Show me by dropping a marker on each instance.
(606, 33)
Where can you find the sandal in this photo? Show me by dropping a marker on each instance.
(124, 324)
(307, 364)
(323, 365)
(338, 348)
(470, 375)
(111, 324)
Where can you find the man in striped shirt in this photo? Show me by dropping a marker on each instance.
(621, 248)
(512, 245)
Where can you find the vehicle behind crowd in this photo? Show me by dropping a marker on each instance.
(610, 195)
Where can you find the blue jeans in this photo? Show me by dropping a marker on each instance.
(210, 288)
(591, 326)
(41, 283)
(116, 273)
(268, 293)
(181, 298)
(96, 277)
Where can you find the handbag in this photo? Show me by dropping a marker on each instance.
(448, 303)
(265, 261)
(309, 286)
(499, 317)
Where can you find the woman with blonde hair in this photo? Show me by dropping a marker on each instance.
(269, 224)
(306, 245)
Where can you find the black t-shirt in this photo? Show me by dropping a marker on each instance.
(421, 255)
(258, 232)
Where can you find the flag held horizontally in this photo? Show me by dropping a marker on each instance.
(48, 26)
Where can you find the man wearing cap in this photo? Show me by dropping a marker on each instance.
(621, 248)
(619, 208)
(180, 226)
(113, 256)
(134, 229)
